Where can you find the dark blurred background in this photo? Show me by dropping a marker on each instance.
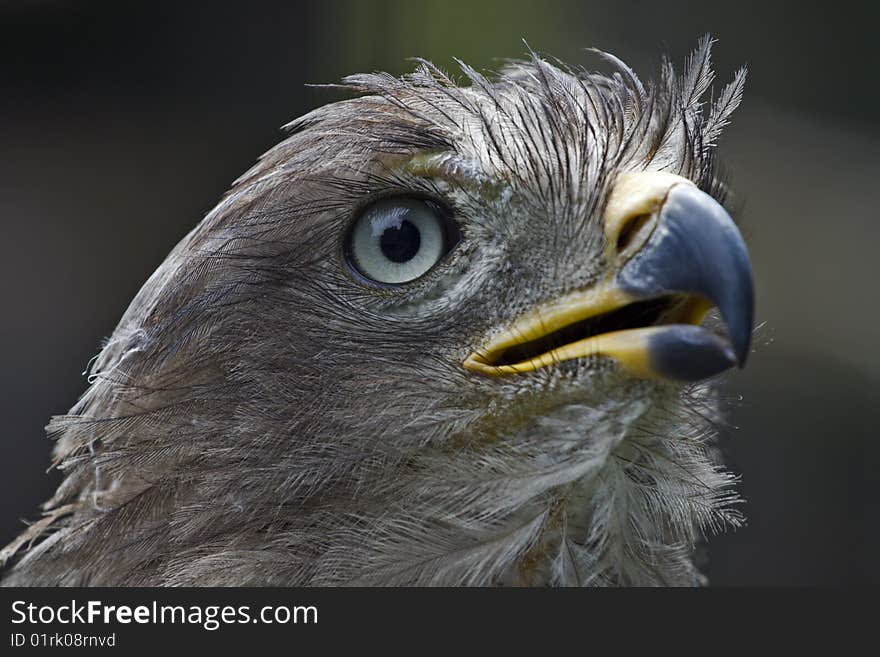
(122, 123)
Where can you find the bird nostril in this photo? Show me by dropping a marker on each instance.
(631, 228)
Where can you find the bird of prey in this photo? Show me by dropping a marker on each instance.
(445, 333)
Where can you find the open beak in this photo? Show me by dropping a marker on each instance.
(677, 253)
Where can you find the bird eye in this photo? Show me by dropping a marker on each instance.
(397, 240)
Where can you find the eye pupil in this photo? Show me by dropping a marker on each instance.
(402, 242)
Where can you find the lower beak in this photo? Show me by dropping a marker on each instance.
(646, 316)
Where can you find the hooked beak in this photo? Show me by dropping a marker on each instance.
(676, 253)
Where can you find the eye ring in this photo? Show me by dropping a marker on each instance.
(397, 240)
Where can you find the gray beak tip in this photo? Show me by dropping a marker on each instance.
(697, 249)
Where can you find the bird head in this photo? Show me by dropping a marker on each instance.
(443, 333)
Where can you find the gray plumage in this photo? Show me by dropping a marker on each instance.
(258, 417)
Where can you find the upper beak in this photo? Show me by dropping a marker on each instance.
(684, 256)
